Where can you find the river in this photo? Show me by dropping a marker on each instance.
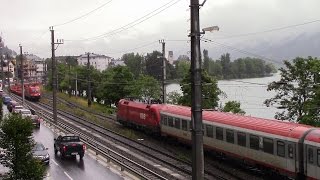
(251, 93)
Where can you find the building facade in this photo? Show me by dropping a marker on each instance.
(100, 62)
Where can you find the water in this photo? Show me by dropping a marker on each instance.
(250, 92)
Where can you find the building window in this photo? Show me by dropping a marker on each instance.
(177, 123)
(254, 142)
(280, 149)
(242, 139)
(184, 124)
(209, 129)
(310, 155)
(230, 136)
(170, 121)
(268, 145)
(219, 133)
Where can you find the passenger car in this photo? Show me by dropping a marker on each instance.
(17, 108)
(6, 99)
(25, 113)
(41, 153)
(35, 120)
(69, 145)
(286, 148)
(11, 105)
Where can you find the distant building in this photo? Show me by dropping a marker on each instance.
(116, 62)
(100, 62)
(34, 68)
(170, 57)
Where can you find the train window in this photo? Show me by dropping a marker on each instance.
(164, 120)
(268, 145)
(290, 151)
(318, 157)
(184, 124)
(177, 123)
(280, 149)
(242, 139)
(209, 129)
(230, 136)
(219, 133)
(254, 142)
(170, 121)
(310, 155)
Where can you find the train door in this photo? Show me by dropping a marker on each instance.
(292, 164)
(310, 161)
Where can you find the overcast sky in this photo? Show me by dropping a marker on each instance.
(27, 22)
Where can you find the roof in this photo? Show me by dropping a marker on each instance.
(271, 126)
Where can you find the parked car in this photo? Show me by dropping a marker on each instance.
(6, 99)
(1, 92)
(69, 145)
(17, 108)
(11, 105)
(25, 113)
(41, 153)
(36, 120)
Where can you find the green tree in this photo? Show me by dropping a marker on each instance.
(145, 87)
(297, 91)
(133, 62)
(210, 91)
(234, 107)
(173, 97)
(225, 62)
(115, 84)
(182, 68)
(154, 64)
(17, 142)
(206, 60)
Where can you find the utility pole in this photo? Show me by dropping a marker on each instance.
(22, 74)
(196, 95)
(76, 85)
(89, 83)
(54, 73)
(8, 73)
(164, 73)
(69, 89)
(2, 73)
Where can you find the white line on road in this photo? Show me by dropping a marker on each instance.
(54, 162)
(67, 175)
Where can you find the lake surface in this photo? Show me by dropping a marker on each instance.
(250, 92)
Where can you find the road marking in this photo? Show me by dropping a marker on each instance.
(67, 175)
(54, 162)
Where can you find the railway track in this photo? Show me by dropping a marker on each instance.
(211, 167)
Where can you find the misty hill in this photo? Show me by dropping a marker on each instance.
(6, 50)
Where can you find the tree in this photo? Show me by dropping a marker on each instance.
(17, 141)
(210, 91)
(145, 87)
(173, 97)
(225, 62)
(298, 91)
(234, 107)
(183, 57)
(182, 68)
(206, 60)
(133, 62)
(154, 64)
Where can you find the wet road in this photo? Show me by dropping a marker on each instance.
(70, 168)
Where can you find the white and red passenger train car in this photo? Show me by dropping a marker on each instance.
(286, 148)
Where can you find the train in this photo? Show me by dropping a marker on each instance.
(280, 147)
(31, 91)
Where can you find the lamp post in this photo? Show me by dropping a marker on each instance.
(196, 91)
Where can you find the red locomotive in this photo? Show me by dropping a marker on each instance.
(31, 91)
(286, 148)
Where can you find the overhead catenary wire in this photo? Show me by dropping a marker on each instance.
(84, 15)
(241, 50)
(269, 30)
(133, 23)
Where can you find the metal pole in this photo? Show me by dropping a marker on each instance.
(2, 73)
(8, 73)
(164, 73)
(76, 85)
(69, 89)
(54, 77)
(197, 136)
(89, 83)
(22, 75)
